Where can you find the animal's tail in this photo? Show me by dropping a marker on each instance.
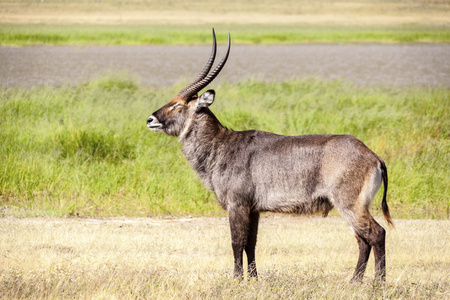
(384, 205)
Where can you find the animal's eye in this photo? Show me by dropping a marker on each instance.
(174, 106)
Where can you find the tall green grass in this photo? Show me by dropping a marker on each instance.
(88, 34)
(86, 150)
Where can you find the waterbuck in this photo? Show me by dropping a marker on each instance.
(254, 171)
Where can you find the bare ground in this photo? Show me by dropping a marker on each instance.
(343, 12)
(373, 64)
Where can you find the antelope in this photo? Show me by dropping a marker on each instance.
(255, 171)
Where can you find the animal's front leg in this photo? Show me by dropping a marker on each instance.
(251, 243)
(239, 217)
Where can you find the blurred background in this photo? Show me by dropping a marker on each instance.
(264, 12)
(79, 79)
(314, 25)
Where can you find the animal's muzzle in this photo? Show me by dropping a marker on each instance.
(153, 123)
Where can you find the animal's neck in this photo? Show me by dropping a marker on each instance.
(203, 140)
(204, 127)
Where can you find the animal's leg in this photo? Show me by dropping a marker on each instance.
(251, 243)
(364, 252)
(377, 240)
(239, 224)
(369, 233)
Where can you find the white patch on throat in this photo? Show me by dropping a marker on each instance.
(185, 129)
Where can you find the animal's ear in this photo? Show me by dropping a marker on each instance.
(206, 99)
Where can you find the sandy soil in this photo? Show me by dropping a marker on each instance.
(175, 17)
(343, 12)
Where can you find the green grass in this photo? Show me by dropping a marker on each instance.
(86, 150)
(57, 34)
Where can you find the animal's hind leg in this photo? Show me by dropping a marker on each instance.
(369, 234)
(378, 242)
(251, 243)
(375, 235)
(364, 252)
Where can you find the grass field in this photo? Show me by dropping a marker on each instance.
(82, 34)
(141, 22)
(86, 149)
(152, 258)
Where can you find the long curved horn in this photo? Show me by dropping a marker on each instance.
(196, 87)
(205, 70)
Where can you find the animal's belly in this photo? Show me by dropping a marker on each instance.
(294, 204)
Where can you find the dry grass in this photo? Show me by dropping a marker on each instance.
(342, 12)
(191, 258)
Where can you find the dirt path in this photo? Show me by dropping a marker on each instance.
(340, 12)
(162, 66)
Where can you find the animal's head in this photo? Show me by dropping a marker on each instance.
(172, 117)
